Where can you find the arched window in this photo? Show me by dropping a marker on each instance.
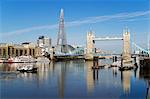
(29, 51)
(4, 52)
(0, 52)
(12, 51)
(33, 52)
(16, 52)
(25, 52)
(21, 52)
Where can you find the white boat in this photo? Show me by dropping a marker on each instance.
(42, 60)
(116, 64)
(27, 68)
(23, 59)
(2, 60)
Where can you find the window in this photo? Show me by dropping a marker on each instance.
(33, 52)
(4, 52)
(9, 51)
(29, 51)
(16, 52)
(0, 51)
(12, 51)
(21, 52)
(25, 52)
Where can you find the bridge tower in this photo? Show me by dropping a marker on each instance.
(126, 46)
(90, 46)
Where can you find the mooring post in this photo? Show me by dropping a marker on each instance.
(121, 61)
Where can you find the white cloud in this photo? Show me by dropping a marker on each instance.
(20, 31)
(88, 20)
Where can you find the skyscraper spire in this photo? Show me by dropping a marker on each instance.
(61, 40)
(62, 13)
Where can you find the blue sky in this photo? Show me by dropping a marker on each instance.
(25, 20)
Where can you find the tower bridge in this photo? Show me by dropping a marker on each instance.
(91, 52)
(64, 49)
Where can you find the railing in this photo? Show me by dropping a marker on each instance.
(76, 52)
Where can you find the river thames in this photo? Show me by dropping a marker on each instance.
(72, 80)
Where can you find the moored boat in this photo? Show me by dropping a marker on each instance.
(42, 60)
(10, 60)
(22, 59)
(1, 60)
(116, 64)
(27, 68)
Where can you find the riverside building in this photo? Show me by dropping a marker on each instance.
(13, 50)
(44, 43)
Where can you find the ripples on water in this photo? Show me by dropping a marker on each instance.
(73, 79)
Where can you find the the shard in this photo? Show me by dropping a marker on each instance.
(61, 40)
(62, 46)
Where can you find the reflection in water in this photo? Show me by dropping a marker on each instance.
(126, 81)
(73, 78)
(8, 67)
(61, 80)
(89, 77)
(95, 74)
(43, 71)
(9, 71)
(135, 72)
(115, 71)
(145, 74)
(148, 90)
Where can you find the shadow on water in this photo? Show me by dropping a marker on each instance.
(145, 74)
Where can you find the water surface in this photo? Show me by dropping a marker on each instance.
(73, 79)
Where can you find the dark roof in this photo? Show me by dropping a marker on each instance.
(41, 37)
(26, 43)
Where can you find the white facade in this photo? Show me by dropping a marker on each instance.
(44, 43)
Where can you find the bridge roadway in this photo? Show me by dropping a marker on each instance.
(107, 38)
